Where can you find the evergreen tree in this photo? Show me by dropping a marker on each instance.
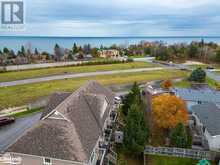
(135, 131)
(179, 137)
(198, 75)
(75, 48)
(58, 53)
(36, 51)
(23, 50)
(193, 50)
(134, 96)
(6, 50)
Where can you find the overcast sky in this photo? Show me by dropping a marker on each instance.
(89, 18)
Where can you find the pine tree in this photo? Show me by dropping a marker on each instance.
(179, 137)
(75, 48)
(134, 96)
(36, 51)
(198, 75)
(135, 131)
(23, 50)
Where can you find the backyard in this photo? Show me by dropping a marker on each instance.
(18, 75)
(22, 94)
(165, 160)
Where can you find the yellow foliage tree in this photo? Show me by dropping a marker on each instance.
(168, 111)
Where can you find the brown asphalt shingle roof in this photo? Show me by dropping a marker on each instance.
(54, 100)
(73, 139)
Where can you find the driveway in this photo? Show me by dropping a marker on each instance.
(70, 76)
(9, 133)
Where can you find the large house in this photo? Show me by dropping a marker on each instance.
(75, 128)
(207, 122)
(110, 53)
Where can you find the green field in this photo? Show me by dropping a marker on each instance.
(165, 160)
(25, 113)
(218, 72)
(22, 94)
(18, 75)
(186, 84)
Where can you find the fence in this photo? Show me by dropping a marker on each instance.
(178, 152)
(38, 66)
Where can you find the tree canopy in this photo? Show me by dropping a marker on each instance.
(134, 96)
(168, 111)
(166, 84)
(135, 131)
(198, 75)
(179, 137)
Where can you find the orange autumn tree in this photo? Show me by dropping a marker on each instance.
(166, 84)
(168, 111)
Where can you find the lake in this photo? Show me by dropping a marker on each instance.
(47, 43)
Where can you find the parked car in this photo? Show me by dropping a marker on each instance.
(210, 67)
(6, 120)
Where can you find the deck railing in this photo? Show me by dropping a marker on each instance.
(178, 152)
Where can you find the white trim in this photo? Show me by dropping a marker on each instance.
(58, 113)
(70, 161)
(47, 163)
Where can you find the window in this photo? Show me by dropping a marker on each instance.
(47, 161)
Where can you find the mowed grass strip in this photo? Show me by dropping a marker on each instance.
(165, 160)
(22, 94)
(19, 75)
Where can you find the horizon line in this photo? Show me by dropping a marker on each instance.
(35, 36)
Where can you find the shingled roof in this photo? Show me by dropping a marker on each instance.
(209, 116)
(54, 100)
(73, 137)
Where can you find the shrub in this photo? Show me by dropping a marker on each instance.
(198, 75)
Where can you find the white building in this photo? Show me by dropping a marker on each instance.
(207, 121)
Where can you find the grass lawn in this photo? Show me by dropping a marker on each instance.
(25, 113)
(123, 159)
(183, 84)
(165, 160)
(218, 72)
(186, 84)
(22, 94)
(17, 75)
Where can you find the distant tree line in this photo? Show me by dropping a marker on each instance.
(178, 52)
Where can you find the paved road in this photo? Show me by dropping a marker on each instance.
(78, 75)
(213, 75)
(9, 133)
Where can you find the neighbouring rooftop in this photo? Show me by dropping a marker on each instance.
(70, 126)
(209, 116)
(203, 95)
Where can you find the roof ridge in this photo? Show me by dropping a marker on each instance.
(97, 121)
(71, 95)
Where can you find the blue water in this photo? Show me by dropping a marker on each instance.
(47, 43)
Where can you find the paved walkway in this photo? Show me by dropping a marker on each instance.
(78, 75)
(9, 133)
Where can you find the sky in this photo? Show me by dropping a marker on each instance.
(120, 18)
